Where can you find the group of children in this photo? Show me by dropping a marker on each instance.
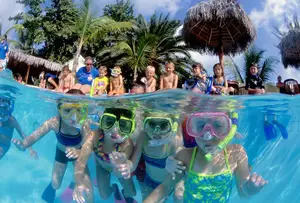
(187, 155)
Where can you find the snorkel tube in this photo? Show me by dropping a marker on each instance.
(228, 138)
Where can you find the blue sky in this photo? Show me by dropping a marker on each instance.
(264, 14)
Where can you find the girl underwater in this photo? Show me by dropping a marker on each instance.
(211, 162)
(71, 128)
(117, 126)
(157, 142)
(7, 125)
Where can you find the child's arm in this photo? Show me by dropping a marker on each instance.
(49, 125)
(152, 86)
(121, 83)
(22, 135)
(175, 82)
(247, 184)
(85, 152)
(161, 85)
(110, 85)
(72, 80)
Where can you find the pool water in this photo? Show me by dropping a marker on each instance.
(23, 179)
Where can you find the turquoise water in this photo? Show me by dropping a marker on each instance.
(23, 179)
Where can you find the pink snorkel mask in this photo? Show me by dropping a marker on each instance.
(208, 125)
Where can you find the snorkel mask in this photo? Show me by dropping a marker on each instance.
(6, 108)
(190, 83)
(73, 113)
(119, 122)
(115, 72)
(210, 125)
(154, 126)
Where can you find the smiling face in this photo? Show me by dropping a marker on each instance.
(170, 67)
(253, 70)
(150, 73)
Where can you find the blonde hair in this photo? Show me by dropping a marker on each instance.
(150, 68)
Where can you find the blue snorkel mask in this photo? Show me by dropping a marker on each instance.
(6, 108)
(189, 84)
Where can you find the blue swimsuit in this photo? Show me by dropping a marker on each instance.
(6, 132)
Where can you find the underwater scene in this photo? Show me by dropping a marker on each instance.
(267, 128)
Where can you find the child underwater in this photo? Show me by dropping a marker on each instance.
(71, 128)
(117, 126)
(157, 142)
(211, 162)
(7, 125)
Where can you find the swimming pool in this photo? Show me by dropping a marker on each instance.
(23, 179)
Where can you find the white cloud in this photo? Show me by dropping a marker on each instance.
(274, 12)
(8, 8)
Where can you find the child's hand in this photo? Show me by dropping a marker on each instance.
(34, 154)
(254, 184)
(78, 194)
(174, 166)
(19, 144)
(121, 163)
(72, 153)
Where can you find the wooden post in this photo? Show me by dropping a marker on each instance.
(27, 74)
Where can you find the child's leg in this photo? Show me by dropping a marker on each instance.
(129, 188)
(85, 89)
(3, 150)
(58, 173)
(50, 80)
(103, 179)
(146, 191)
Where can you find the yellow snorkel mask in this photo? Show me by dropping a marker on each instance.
(73, 113)
(158, 125)
(113, 118)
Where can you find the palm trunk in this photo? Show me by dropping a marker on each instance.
(75, 62)
(135, 75)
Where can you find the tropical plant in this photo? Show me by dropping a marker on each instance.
(91, 28)
(150, 43)
(267, 65)
(121, 11)
(17, 28)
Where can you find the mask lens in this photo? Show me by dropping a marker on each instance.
(107, 122)
(158, 125)
(125, 125)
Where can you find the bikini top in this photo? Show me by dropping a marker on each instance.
(156, 162)
(68, 140)
(216, 83)
(99, 150)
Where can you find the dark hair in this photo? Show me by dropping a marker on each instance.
(218, 64)
(5, 37)
(120, 112)
(195, 65)
(65, 67)
(75, 91)
(18, 75)
(139, 84)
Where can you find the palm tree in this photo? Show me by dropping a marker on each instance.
(150, 43)
(90, 27)
(254, 55)
(16, 27)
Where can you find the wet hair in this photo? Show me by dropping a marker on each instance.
(195, 65)
(75, 92)
(139, 84)
(188, 141)
(18, 75)
(120, 112)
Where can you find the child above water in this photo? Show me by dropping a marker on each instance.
(254, 83)
(211, 163)
(100, 83)
(169, 79)
(149, 80)
(71, 128)
(220, 83)
(116, 83)
(7, 125)
(66, 80)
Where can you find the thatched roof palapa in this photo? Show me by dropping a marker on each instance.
(34, 61)
(213, 25)
(290, 49)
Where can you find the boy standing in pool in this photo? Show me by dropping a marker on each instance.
(170, 78)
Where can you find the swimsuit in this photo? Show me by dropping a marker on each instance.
(155, 162)
(66, 140)
(201, 187)
(6, 132)
(99, 151)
